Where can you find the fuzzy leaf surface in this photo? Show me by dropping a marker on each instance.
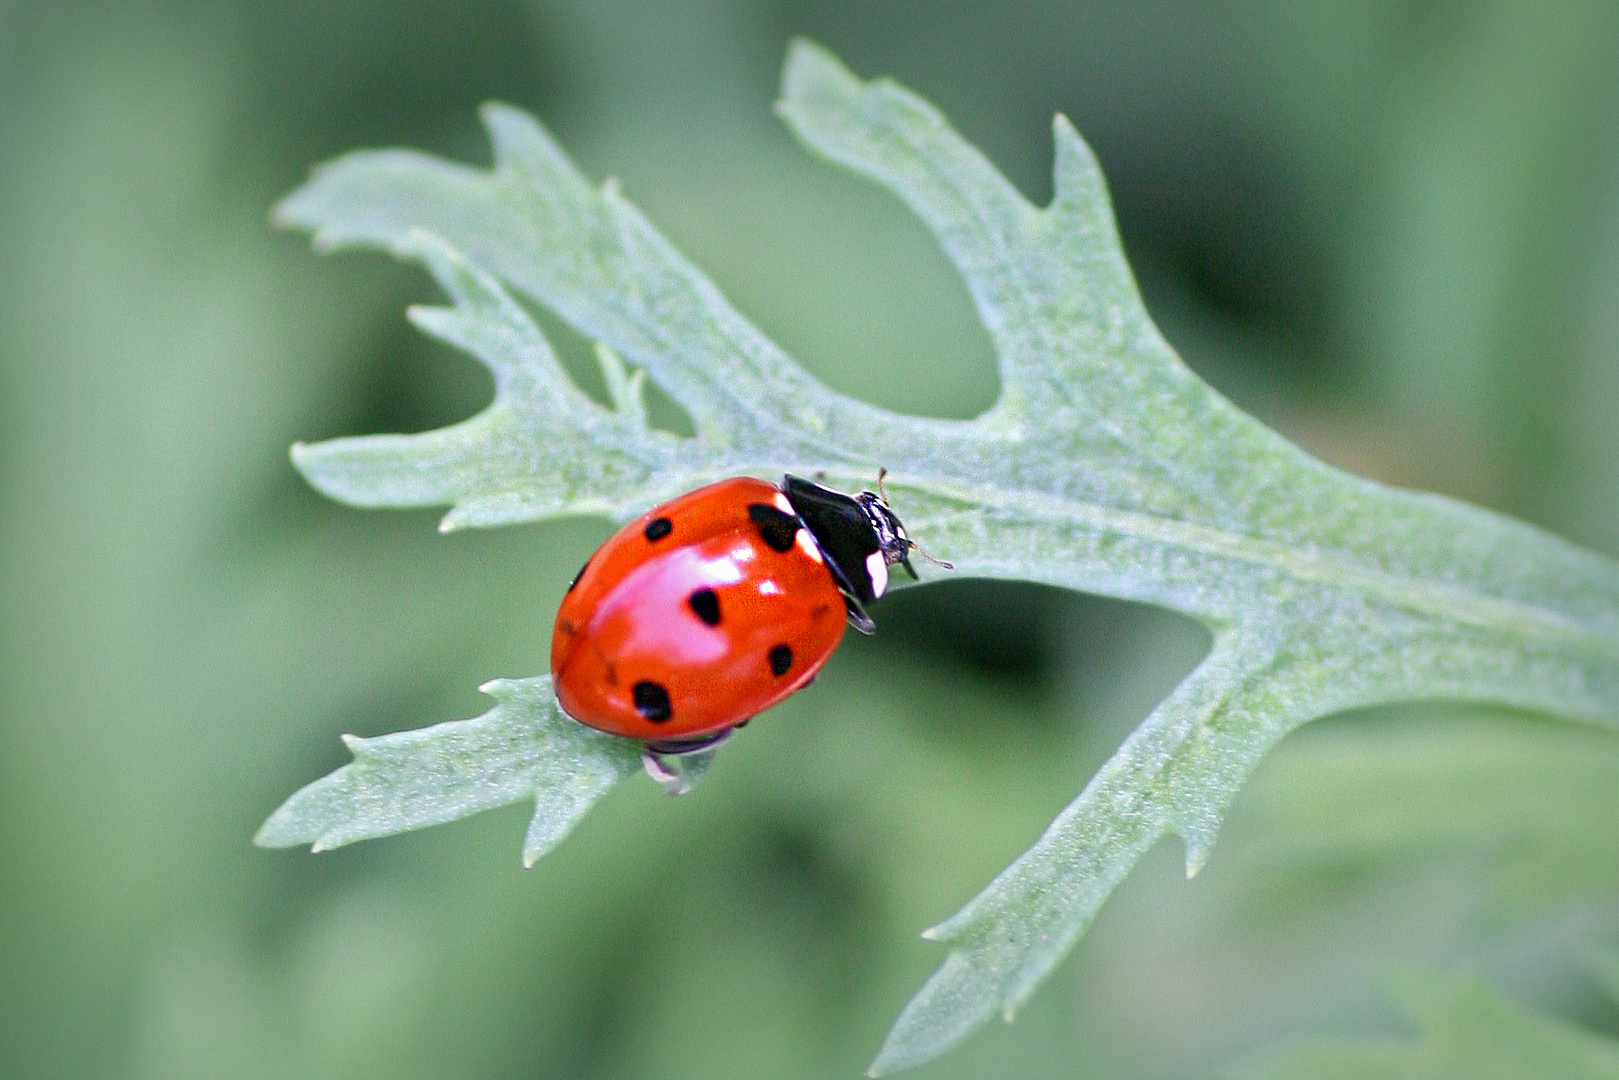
(1106, 465)
(523, 748)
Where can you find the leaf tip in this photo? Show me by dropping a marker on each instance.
(1076, 175)
(809, 69)
(298, 453)
(627, 389)
(803, 55)
(281, 216)
(463, 515)
(1198, 849)
(496, 688)
(498, 112)
(951, 929)
(292, 212)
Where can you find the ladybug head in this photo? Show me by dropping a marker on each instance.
(858, 535)
(892, 540)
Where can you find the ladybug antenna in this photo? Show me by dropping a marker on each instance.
(936, 562)
(909, 544)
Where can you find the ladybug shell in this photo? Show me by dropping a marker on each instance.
(690, 619)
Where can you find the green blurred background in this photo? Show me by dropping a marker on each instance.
(1389, 228)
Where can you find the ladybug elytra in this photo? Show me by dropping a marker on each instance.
(715, 606)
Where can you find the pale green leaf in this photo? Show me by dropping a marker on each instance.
(523, 748)
(1106, 465)
(1465, 1031)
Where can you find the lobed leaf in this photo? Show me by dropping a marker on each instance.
(1106, 465)
(523, 748)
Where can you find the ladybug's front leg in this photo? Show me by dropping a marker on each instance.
(677, 764)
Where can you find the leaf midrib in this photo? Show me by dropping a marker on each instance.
(1446, 602)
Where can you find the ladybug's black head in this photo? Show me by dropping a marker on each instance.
(859, 538)
(892, 541)
(857, 535)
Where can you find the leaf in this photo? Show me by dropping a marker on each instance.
(1537, 805)
(523, 748)
(1106, 465)
(1466, 1032)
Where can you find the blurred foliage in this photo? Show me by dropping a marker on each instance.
(1468, 1033)
(1390, 229)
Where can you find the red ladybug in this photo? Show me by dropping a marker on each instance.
(715, 606)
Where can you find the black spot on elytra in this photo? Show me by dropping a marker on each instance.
(651, 701)
(706, 604)
(781, 658)
(777, 528)
(579, 575)
(658, 528)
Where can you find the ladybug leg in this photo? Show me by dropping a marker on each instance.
(678, 764)
(857, 615)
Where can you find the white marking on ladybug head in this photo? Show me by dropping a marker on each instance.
(783, 505)
(806, 543)
(877, 569)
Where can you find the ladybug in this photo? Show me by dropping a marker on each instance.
(715, 606)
